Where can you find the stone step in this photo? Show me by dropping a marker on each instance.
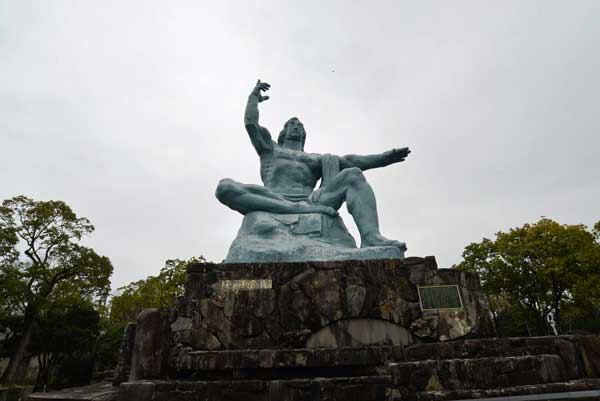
(369, 388)
(499, 347)
(478, 373)
(586, 389)
(302, 362)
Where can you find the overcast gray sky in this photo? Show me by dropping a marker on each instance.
(131, 111)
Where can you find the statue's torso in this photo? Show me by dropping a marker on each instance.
(290, 172)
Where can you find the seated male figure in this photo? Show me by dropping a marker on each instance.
(289, 175)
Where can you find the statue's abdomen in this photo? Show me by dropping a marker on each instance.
(288, 176)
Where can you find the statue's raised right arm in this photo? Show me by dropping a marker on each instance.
(260, 136)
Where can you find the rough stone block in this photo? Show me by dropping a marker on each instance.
(589, 347)
(136, 391)
(151, 345)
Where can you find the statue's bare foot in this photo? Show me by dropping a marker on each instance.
(376, 239)
(304, 207)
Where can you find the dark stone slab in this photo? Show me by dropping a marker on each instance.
(479, 373)
(573, 350)
(586, 389)
(371, 388)
(290, 358)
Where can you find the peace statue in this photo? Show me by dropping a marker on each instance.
(287, 219)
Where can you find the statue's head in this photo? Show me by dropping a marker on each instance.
(293, 130)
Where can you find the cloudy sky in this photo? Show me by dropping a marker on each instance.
(131, 111)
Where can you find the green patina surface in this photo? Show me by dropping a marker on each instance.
(288, 218)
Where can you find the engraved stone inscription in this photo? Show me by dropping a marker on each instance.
(243, 284)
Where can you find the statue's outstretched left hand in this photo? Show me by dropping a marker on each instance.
(397, 154)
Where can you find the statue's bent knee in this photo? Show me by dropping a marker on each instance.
(354, 174)
(225, 190)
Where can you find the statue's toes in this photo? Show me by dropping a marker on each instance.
(401, 245)
(382, 241)
(391, 242)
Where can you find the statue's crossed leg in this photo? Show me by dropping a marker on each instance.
(246, 198)
(348, 185)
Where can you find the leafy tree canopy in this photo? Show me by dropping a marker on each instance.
(153, 292)
(540, 271)
(64, 341)
(42, 261)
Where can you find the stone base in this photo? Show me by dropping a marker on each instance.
(442, 371)
(497, 367)
(336, 331)
(269, 237)
(371, 388)
(324, 304)
(429, 371)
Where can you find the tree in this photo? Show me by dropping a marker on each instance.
(108, 344)
(153, 292)
(64, 342)
(538, 271)
(41, 260)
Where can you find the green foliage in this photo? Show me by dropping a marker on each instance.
(49, 233)
(153, 292)
(53, 292)
(42, 263)
(510, 321)
(539, 273)
(64, 341)
(108, 345)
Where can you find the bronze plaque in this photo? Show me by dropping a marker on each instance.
(246, 284)
(435, 297)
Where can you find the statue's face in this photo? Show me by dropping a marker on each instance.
(295, 130)
(292, 135)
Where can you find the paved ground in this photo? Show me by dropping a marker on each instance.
(103, 391)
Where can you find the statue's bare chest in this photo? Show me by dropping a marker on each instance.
(293, 164)
(296, 157)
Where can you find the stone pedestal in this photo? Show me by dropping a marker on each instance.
(335, 331)
(298, 331)
(324, 304)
